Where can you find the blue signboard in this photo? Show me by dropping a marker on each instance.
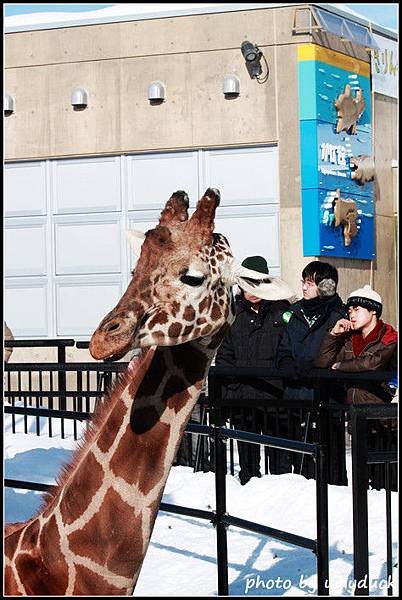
(337, 207)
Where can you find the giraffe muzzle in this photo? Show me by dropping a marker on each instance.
(113, 338)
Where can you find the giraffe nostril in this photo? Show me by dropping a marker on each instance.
(113, 327)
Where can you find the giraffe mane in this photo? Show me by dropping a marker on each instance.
(98, 419)
(10, 528)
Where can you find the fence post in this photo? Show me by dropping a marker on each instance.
(387, 467)
(217, 419)
(321, 409)
(61, 358)
(360, 509)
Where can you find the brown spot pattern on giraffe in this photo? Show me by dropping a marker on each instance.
(30, 536)
(174, 330)
(152, 378)
(216, 312)
(38, 580)
(87, 478)
(143, 418)
(159, 319)
(189, 313)
(52, 555)
(187, 330)
(11, 543)
(158, 337)
(146, 450)
(191, 361)
(175, 307)
(113, 424)
(203, 305)
(177, 393)
(206, 330)
(89, 583)
(113, 548)
(12, 587)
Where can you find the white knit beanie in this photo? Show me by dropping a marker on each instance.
(367, 298)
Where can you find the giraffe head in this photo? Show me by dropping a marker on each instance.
(180, 289)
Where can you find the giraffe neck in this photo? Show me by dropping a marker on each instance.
(93, 537)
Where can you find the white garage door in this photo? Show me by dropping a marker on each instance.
(66, 257)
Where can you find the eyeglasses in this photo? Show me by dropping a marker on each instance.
(308, 282)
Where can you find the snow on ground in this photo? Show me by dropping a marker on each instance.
(181, 560)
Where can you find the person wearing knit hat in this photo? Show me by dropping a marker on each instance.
(367, 298)
(362, 342)
(252, 341)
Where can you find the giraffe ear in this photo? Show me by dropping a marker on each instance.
(259, 284)
(135, 239)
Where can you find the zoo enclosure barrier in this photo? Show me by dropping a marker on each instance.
(218, 436)
(322, 381)
(61, 386)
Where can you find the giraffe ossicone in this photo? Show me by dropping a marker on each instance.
(92, 534)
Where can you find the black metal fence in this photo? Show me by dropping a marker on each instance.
(368, 448)
(76, 399)
(362, 458)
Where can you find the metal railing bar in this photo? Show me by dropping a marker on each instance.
(45, 343)
(53, 394)
(314, 374)
(277, 534)
(199, 429)
(375, 411)
(47, 412)
(382, 457)
(267, 440)
(29, 485)
(109, 367)
(187, 512)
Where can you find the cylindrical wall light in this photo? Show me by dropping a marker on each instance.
(9, 104)
(79, 98)
(231, 86)
(156, 92)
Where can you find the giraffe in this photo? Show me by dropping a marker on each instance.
(92, 534)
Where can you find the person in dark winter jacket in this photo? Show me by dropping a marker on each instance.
(252, 341)
(363, 342)
(308, 320)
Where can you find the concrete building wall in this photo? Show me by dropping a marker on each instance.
(191, 54)
(116, 62)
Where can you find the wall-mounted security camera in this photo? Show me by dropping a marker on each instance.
(9, 104)
(79, 98)
(156, 92)
(231, 86)
(252, 55)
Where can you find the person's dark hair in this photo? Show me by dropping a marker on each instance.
(317, 271)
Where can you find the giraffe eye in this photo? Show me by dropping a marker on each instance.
(192, 280)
